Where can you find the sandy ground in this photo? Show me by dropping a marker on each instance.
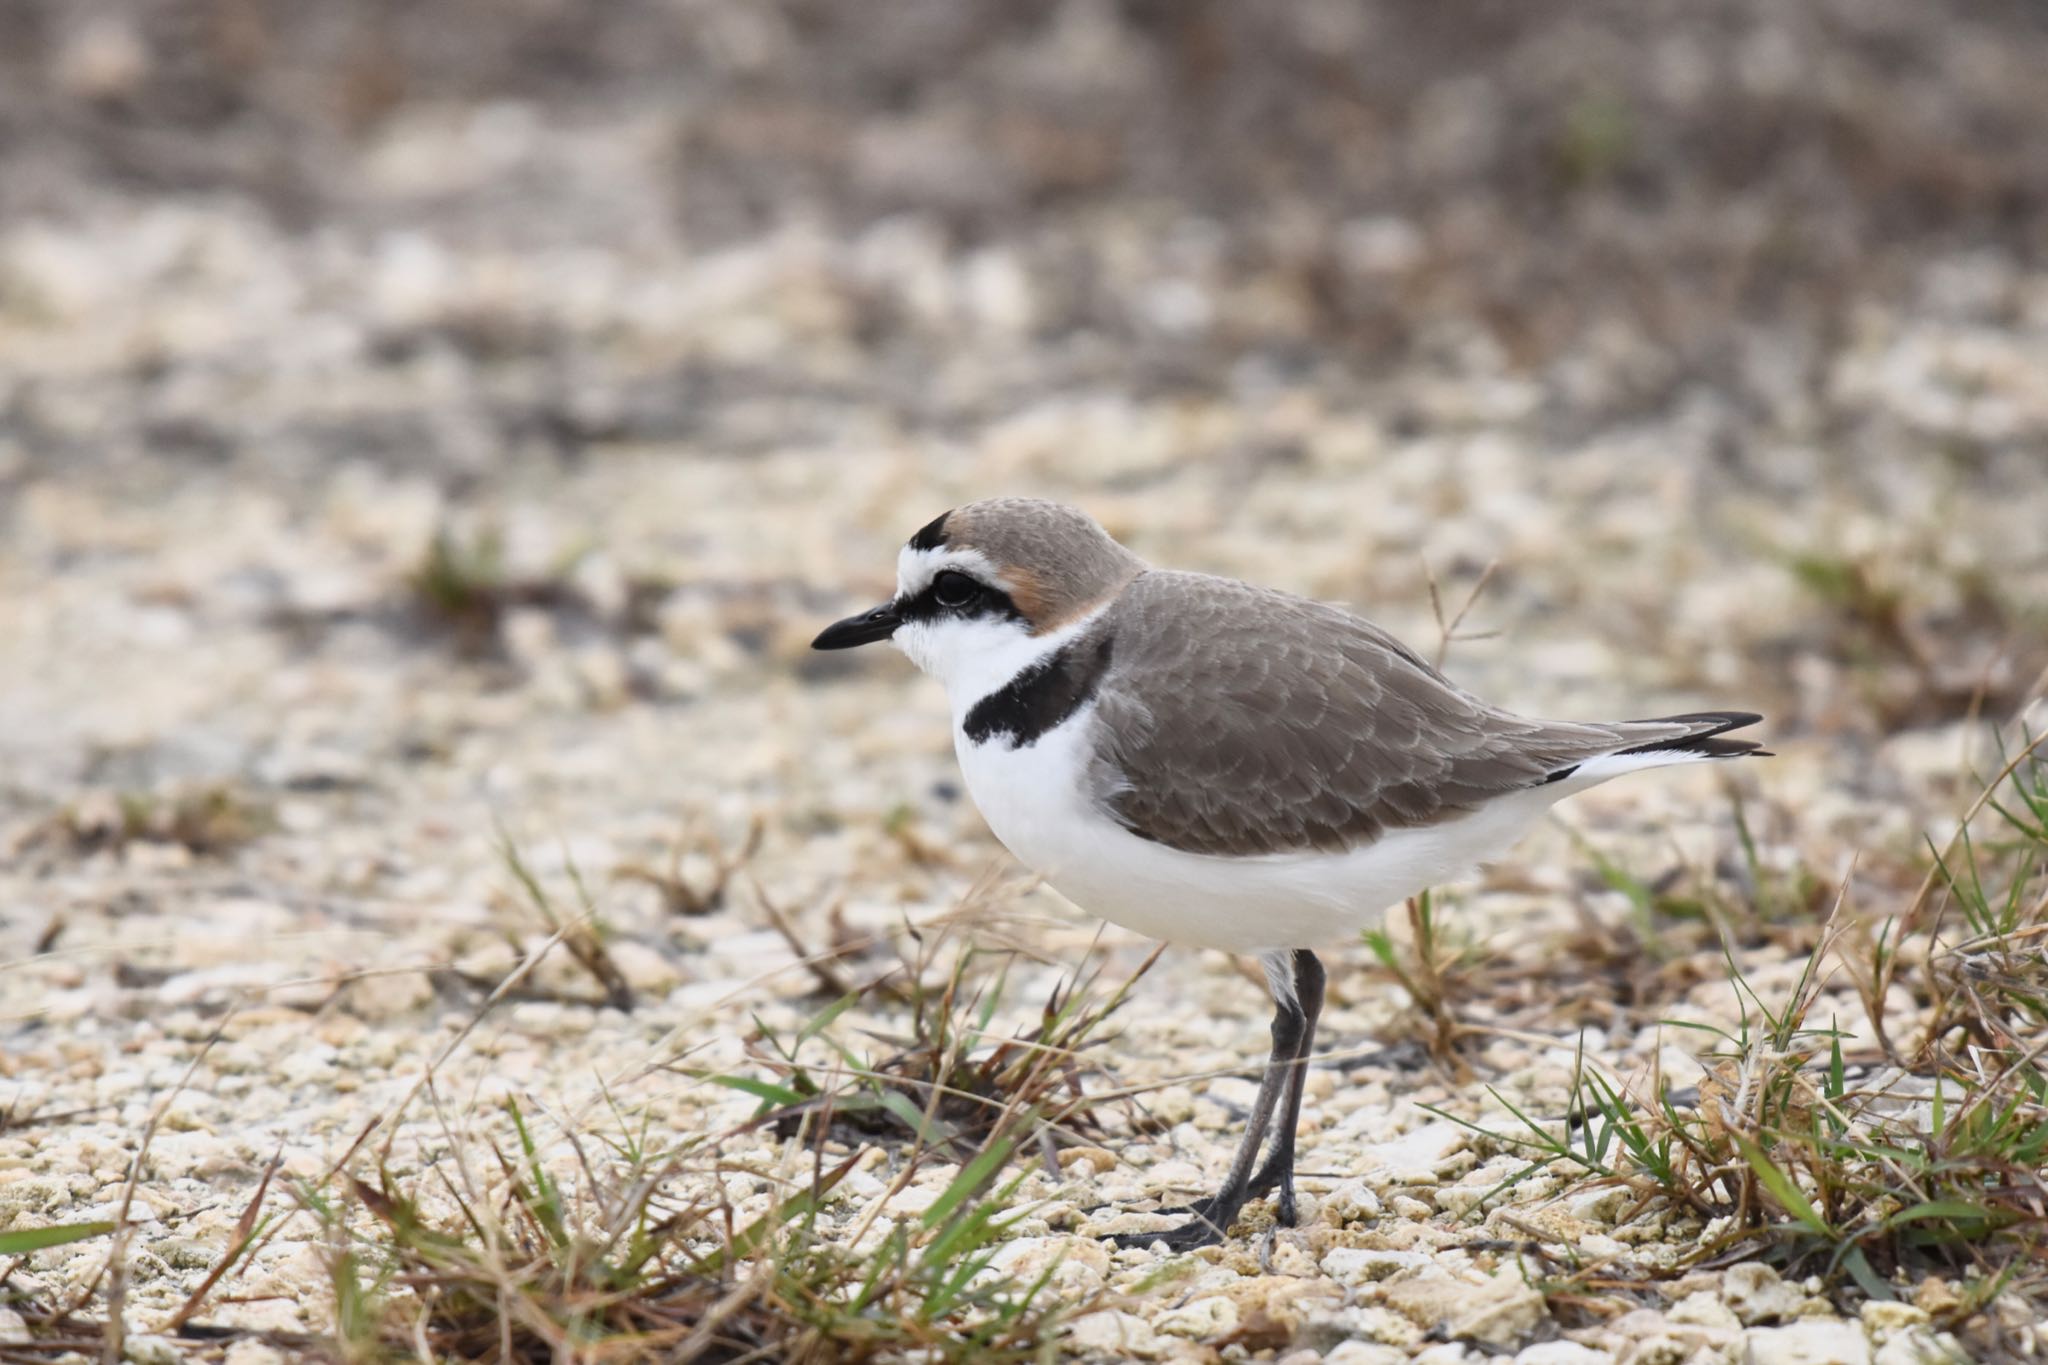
(237, 406)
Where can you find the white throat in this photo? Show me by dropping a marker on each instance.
(973, 658)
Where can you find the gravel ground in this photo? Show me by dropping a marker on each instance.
(1721, 329)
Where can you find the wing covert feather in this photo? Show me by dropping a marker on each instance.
(1270, 723)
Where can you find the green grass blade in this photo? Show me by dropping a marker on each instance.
(24, 1240)
(823, 1019)
(546, 1203)
(1782, 1187)
(972, 1177)
(1954, 1210)
(755, 1235)
(1544, 1140)
(760, 1089)
(925, 1129)
(1866, 1276)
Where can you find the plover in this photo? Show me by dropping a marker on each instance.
(1223, 765)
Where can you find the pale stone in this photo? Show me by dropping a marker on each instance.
(1359, 1265)
(1562, 1353)
(1881, 1319)
(384, 995)
(1116, 1333)
(1169, 1176)
(1702, 1309)
(1364, 1353)
(1198, 1319)
(1353, 1201)
(1449, 1353)
(1756, 1294)
(1075, 1281)
(1373, 1323)
(1496, 1311)
(152, 1350)
(1290, 1258)
(1174, 1104)
(647, 970)
(186, 1253)
(1418, 1158)
(1092, 1159)
(1815, 1341)
(250, 1352)
(1460, 1200)
(1937, 1295)
(1603, 1205)
(914, 1200)
(1920, 1346)
(1663, 1348)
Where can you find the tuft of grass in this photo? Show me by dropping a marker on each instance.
(463, 584)
(1738, 898)
(1595, 140)
(648, 1258)
(1925, 637)
(1868, 604)
(690, 897)
(208, 819)
(461, 577)
(1935, 1167)
(1434, 966)
(1991, 979)
(952, 1080)
(578, 933)
(541, 1240)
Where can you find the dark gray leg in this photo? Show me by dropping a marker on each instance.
(1294, 1015)
(1278, 1168)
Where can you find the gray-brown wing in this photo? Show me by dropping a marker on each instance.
(1236, 720)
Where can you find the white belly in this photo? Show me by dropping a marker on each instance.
(1034, 800)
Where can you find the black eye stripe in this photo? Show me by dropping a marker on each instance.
(985, 602)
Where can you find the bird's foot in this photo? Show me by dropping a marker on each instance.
(1286, 1213)
(1209, 1219)
(1199, 1231)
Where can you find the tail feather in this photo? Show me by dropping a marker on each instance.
(1700, 738)
(1704, 738)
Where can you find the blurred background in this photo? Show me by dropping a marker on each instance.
(430, 424)
(393, 393)
(1720, 326)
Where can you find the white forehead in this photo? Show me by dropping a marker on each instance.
(915, 568)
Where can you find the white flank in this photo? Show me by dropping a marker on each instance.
(1035, 800)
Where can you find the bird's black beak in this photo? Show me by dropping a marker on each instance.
(864, 629)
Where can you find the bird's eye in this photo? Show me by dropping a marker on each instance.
(952, 589)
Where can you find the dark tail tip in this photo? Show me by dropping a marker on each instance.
(1707, 726)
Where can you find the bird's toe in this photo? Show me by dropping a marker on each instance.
(1210, 1219)
(1197, 1232)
